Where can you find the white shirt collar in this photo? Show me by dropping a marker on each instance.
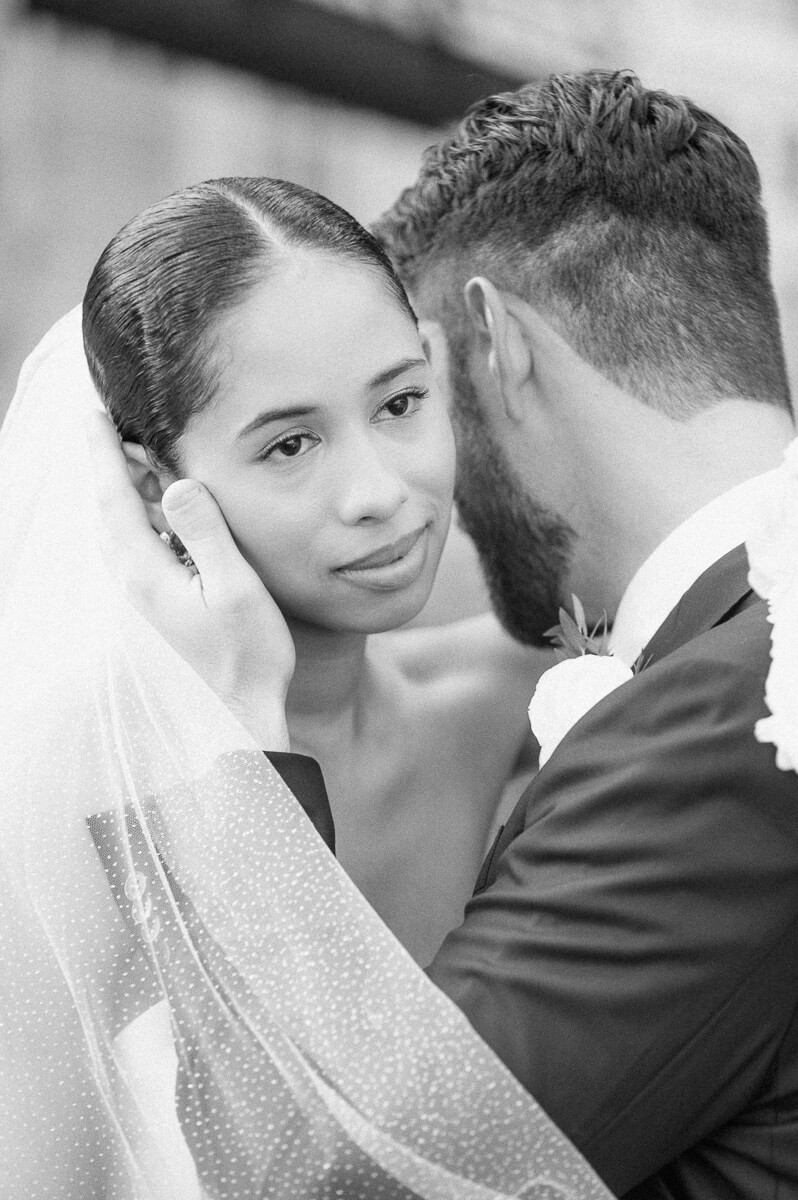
(685, 554)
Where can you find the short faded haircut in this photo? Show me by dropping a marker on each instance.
(631, 219)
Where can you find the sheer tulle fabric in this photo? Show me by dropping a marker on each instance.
(195, 1001)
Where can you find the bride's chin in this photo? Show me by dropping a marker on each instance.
(387, 626)
(380, 614)
(399, 622)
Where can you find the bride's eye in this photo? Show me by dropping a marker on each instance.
(404, 404)
(291, 446)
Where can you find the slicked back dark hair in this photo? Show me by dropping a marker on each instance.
(630, 218)
(179, 266)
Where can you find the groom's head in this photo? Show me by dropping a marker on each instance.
(585, 235)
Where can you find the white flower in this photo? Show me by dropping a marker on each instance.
(566, 692)
(773, 558)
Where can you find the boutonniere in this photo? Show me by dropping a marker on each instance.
(585, 674)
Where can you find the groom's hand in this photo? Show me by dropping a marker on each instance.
(222, 620)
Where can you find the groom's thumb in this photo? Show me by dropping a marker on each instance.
(197, 520)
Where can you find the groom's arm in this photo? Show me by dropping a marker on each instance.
(631, 957)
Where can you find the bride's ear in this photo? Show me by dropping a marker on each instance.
(148, 481)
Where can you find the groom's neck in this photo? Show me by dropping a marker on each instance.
(650, 475)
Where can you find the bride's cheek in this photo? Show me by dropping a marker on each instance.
(440, 471)
(440, 451)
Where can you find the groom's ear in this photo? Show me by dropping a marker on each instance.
(148, 481)
(501, 335)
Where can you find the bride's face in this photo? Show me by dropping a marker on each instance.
(327, 446)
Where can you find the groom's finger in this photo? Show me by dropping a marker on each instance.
(197, 520)
(133, 551)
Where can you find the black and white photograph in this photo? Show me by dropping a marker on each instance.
(398, 600)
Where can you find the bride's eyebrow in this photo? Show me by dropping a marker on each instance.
(277, 414)
(390, 373)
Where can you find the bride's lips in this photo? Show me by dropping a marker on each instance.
(390, 567)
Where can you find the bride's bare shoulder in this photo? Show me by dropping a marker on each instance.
(470, 671)
(461, 649)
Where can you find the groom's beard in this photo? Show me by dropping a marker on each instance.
(524, 547)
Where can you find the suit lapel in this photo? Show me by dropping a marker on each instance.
(716, 595)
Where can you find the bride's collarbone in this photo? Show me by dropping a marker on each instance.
(409, 738)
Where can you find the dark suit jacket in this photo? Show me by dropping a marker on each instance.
(631, 949)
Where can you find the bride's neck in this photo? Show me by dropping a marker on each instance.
(324, 694)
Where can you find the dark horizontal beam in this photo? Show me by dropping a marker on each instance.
(326, 52)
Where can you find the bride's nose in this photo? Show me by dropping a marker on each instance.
(371, 486)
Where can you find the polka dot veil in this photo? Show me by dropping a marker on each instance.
(195, 1000)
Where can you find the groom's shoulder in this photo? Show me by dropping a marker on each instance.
(730, 660)
(683, 724)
